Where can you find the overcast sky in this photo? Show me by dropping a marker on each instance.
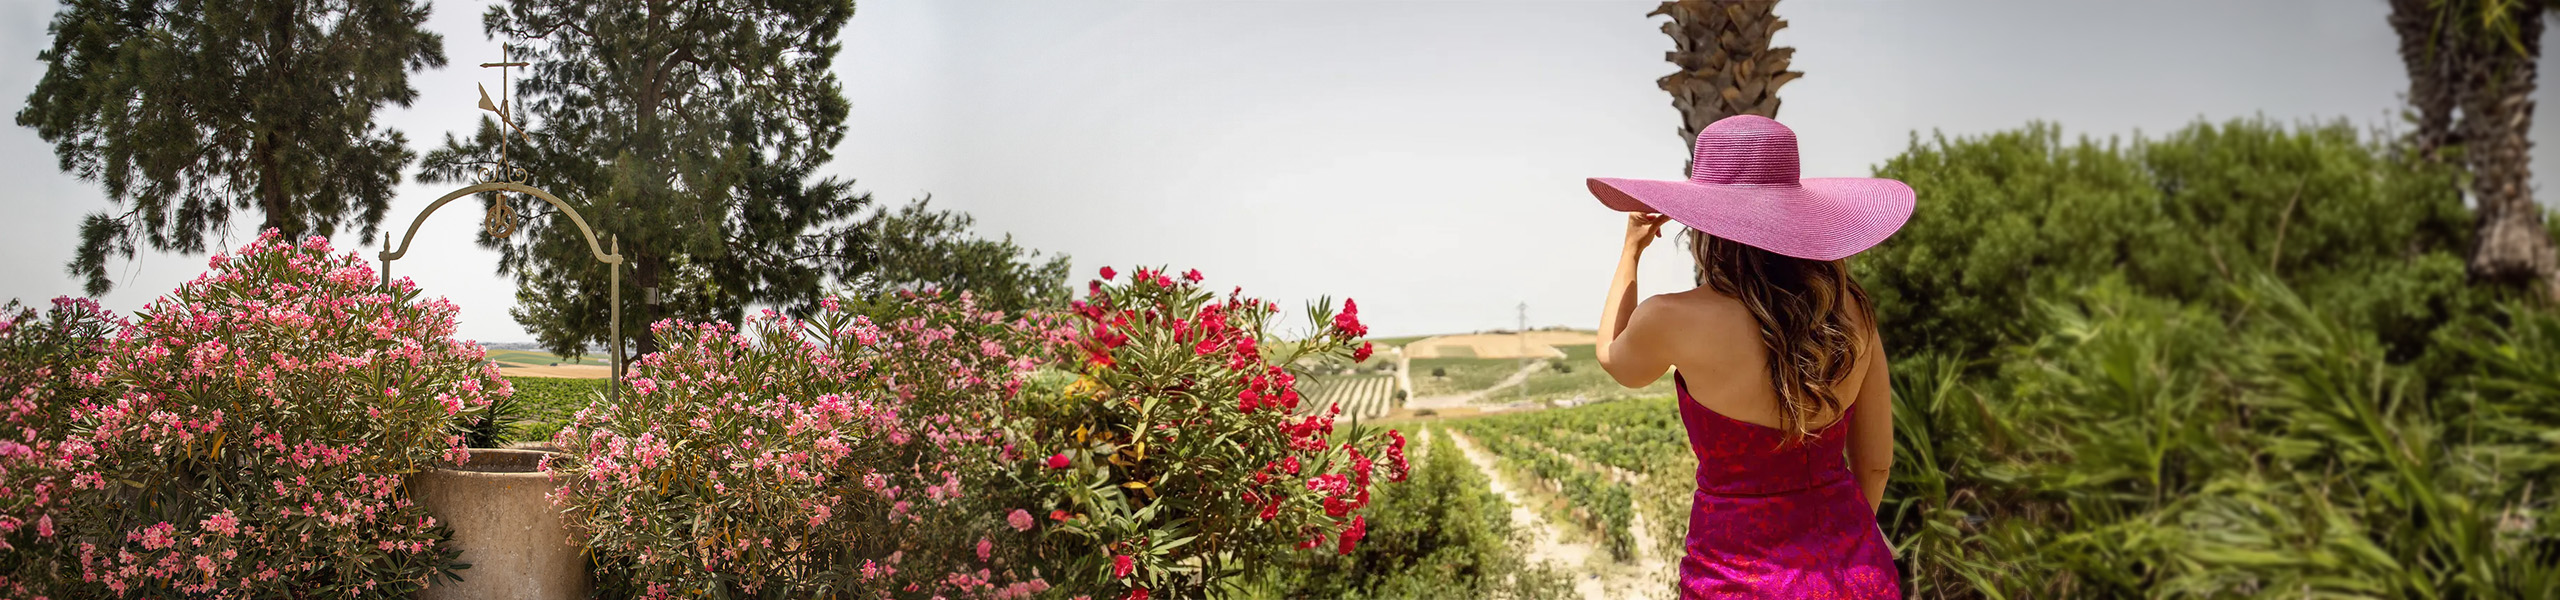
(1426, 158)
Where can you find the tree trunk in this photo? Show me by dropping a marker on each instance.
(2428, 58)
(1726, 65)
(647, 270)
(271, 197)
(2497, 106)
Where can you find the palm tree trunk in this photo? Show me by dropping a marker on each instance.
(1726, 65)
(2428, 59)
(2496, 99)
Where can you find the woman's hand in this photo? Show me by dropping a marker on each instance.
(1642, 228)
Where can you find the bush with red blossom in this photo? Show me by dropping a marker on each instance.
(251, 431)
(1182, 456)
(853, 453)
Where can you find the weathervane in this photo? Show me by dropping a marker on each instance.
(500, 179)
(502, 219)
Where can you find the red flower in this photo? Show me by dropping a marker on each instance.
(1191, 276)
(1057, 515)
(1336, 507)
(1138, 594)
(1351, 537)
(1101, 357)
(1362, 354)
(1311, 542)
(1349, 321)
(1289, 464)
(1121, 565)
(1247, 400)
(1058, 461)
(1271, 510)
(1107, 273)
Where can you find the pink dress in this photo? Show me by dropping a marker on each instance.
(1778, 522)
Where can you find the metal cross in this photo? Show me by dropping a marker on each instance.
(502, 219)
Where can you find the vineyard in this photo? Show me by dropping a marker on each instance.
(546, 403)
(1598, 460)
(1363, 396)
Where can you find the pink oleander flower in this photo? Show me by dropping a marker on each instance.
(275, 327)
(1020, 520)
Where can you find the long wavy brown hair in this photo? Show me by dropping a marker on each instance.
(1805, 309)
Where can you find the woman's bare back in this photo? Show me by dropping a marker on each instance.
(1719, 351)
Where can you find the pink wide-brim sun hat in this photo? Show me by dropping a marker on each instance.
(1744, 185)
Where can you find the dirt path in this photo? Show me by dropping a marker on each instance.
(1545, 542)
(1595, 577)
(1516, 378)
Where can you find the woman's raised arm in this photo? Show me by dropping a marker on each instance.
(1630, 358)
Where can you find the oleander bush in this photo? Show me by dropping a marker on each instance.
(43, 376)
(918, 446)
(247, 435)
(846, 455)
(1179, 461)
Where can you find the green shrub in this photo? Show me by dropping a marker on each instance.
(2009, 218)
(2144, 447)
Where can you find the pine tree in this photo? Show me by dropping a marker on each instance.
(188, 110)
(692, 130)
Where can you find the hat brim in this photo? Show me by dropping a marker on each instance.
(1816, 219)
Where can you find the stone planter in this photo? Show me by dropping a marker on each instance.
(515, 541)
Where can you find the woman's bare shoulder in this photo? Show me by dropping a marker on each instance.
(1700, 308)
(1704, 323)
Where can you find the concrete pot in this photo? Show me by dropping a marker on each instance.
(506, 528)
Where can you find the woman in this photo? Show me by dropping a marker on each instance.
(1790, 375)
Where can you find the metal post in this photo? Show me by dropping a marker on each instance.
(1524, 348)
(614, 392)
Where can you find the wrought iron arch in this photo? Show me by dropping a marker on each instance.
(611, 259)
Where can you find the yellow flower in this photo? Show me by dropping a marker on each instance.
(1086, 386)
